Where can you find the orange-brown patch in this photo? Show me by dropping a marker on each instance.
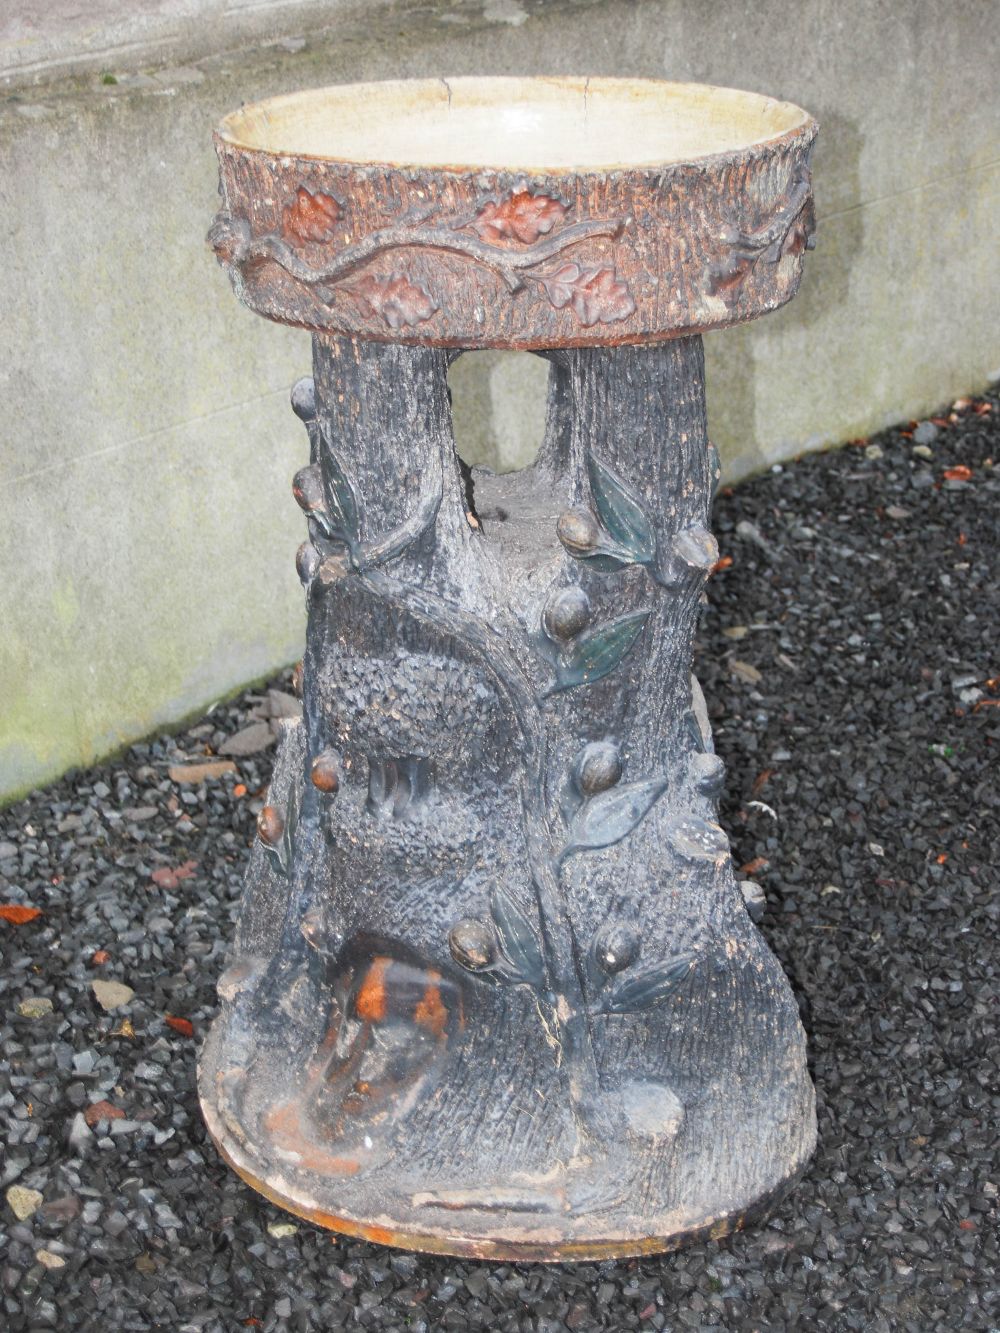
(430, 1012)
(284, 1125)
(371, 1001)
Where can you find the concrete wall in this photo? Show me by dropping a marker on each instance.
(145, 440)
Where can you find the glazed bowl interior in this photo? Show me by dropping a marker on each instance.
(518, 125)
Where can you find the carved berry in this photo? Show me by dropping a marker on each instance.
(708, 772)
(472, 944)
(307, 487)
(326, 772)
(304, 398)
(599, 767)
(307, 561)
(616, 947)
(566, 613)
(579, 531)
(270, 825)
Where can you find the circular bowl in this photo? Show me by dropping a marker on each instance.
(525, 213)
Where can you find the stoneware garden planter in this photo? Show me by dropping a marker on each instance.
(495, 991)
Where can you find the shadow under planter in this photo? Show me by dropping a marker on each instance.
(495, 991)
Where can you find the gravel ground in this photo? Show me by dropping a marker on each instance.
(851, 657)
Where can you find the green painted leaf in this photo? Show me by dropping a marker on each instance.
(599, 651)
(641, 990)
(276, 855)
(341, 502)
(621, 513)
(693, 728)
(291, 821)
(611, 815)
(518, 939)
(604, 563)
(570, 801)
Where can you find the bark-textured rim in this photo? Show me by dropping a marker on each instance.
(529, 126)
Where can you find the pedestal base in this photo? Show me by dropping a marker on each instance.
(591, 1207)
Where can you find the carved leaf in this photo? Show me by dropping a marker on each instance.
(642, 989)
(621, 513)
(726, 274)
(599, 651)
(694, 731)
(597, 295)
(398, 300)
(518, 939)
(521, 216)
(611, 815)
(606, 563)
(342, 505)
(310, 217)
(276, 855)
(698, 840)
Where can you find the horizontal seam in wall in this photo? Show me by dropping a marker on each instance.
(141, 439)
(910, 189)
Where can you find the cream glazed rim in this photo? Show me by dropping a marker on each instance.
(499, 124)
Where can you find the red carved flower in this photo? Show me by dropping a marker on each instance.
(310, 217)
(597, 295)
(521, 216)
(396, 299)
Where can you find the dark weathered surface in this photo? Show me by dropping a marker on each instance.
(496, 991)
(512, 258)
(507, 949)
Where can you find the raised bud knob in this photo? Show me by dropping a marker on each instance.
(709, 773)
(579, 531)
(270, 825)
(326, 771)
(616, 947)
(304, 398)
(472, 944)
(307, 562)
(599, 767)
(566, 613)
(307, 487)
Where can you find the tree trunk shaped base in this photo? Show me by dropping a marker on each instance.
(495, 991)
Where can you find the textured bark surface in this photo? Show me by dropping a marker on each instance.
(505, 259)
(495, 989)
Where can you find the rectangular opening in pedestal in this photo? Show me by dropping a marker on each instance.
(498, 408)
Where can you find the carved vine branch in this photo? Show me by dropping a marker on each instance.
(596, 294)
(789, 230)
(231, 237)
